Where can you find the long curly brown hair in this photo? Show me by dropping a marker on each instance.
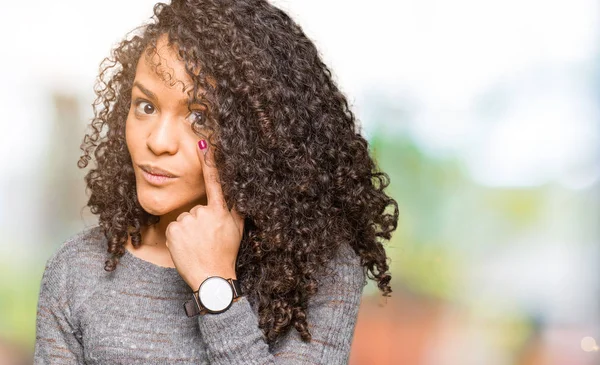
(290, 155)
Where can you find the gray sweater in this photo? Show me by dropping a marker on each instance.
(134, 315)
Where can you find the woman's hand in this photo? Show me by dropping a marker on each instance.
(205, 241)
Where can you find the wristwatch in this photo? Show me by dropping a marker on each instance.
(215, 295)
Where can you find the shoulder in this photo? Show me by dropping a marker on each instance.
(85, 245)
(344, 275)
(78, 256)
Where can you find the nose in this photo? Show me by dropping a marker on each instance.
(163, 136)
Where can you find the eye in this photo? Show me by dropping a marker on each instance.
(146, 107)
(195, 116)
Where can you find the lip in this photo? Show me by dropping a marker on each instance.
(156, 171)
(156, 179)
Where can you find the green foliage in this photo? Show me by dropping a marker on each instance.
(19, 290)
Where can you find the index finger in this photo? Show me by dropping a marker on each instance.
(214, 192)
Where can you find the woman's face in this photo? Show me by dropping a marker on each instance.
(159, 135)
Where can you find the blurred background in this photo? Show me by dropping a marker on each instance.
(485, 115)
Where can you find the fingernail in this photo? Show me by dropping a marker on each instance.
(202, 144)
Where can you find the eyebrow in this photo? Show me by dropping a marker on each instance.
(152, 95)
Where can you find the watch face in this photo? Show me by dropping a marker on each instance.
(215, 293)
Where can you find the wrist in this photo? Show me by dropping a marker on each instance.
(200, 277)
(215, 295)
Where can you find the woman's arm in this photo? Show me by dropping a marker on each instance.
(233, 337)
(55, 341)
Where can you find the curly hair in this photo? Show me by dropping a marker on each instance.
(290, 155)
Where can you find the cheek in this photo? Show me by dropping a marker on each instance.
(131, 140)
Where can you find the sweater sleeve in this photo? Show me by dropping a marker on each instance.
(233, 337)
(56, 340)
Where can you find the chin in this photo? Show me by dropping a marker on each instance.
(155, 203)
(155, 210)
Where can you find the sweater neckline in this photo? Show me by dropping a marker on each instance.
(167, 275)
(148, 266)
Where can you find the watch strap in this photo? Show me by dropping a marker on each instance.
(193, 307)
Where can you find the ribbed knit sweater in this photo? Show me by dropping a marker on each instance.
(135, 315)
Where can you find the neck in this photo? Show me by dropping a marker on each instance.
(155, 234)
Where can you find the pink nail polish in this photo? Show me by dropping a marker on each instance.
(202, 144)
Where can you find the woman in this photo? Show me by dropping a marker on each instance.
(239, 209)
